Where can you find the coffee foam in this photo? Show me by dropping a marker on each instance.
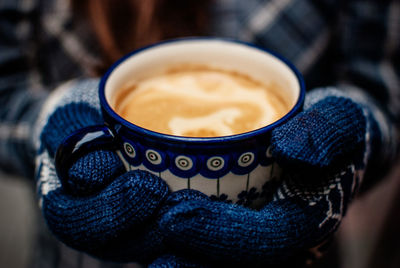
(200, 102)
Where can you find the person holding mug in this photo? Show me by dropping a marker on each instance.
(341, 141)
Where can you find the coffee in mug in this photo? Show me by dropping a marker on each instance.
(200, 101)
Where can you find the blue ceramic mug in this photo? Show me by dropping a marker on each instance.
(237, 168)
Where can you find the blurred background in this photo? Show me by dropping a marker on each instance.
(18, 210)
(369, 236)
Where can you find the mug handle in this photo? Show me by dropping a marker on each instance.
(79, 143)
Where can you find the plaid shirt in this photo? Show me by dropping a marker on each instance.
(353, 45)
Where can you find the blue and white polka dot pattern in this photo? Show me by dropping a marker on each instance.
(215, 163)
(187, 165)
(129, 150)
(245, 162)
(210, 168)
(132, 152)
(153, 157)
(184, 163)
(214, 167)
(246, 159)
(184, 166)
(155, 160)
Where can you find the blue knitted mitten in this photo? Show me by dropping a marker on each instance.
(320, 141)
(172, 261)
(323, 151)
(100, 208)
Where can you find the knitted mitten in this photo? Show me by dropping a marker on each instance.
(323, 151)
(172, 261)
(320, 141)
(99, 209)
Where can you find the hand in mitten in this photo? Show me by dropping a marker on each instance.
(99, 208)
(172, 261)
(322, 151)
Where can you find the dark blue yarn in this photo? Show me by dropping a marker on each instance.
(92, 172)
(101, 209)
(225, 233)
(111, 222)
(161, 258)
(173, 261)
(321, 139)
(133, 217)
(324, 139)
(145, 242)
(177, 197)
(66, 120)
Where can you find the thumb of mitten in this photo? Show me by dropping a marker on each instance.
(322, 139)
(92, 172)
(65, 120)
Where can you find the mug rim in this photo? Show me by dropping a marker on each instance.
(204, 140)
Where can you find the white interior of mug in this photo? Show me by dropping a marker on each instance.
(228, 55)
